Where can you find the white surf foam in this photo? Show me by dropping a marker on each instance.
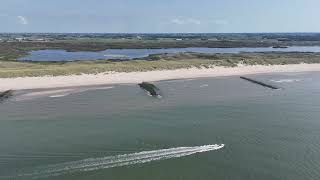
(204, 85)
(59, 95)
(286, 80)
(118, 161)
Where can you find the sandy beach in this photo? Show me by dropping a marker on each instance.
(108, 78)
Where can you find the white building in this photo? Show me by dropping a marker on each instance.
(19, 39)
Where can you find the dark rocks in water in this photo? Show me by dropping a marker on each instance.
(283, 47)
(150, 88)
(5, 95)
(259, 83)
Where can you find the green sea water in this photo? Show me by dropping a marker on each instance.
(268, 134)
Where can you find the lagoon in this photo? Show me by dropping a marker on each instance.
(127, 54)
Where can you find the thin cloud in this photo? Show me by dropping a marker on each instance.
(184, 21)
(194, 21)
(220, 22)
(4, 15)
(23, 20)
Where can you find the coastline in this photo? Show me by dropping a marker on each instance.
(109, 78)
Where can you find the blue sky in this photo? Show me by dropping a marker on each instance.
(159, 16)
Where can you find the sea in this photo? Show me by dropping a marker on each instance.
(222, 128)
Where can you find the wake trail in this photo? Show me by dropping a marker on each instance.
(93, 164)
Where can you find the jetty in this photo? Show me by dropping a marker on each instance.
(151, 89)
(5, 95)
(259, 83)
(280, 47)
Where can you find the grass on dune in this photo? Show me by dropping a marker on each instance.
(156, 62)
(16, 69)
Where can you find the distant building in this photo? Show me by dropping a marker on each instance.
(283, 39)
(19, 39)
(179, 39)
(38, 39)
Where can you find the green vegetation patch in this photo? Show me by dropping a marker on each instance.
(10, 69)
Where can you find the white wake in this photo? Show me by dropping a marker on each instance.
(118, 160)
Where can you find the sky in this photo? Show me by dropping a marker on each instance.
(159, 16)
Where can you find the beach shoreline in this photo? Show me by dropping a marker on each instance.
(109, 78)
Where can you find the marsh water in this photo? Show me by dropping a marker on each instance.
(125, 54)
(118, 132)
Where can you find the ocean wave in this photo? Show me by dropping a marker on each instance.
(59, 95)
(204, 85)
(93, 164)
(286, 80)
(56, 93)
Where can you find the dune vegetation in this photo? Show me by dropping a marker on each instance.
(9, 69)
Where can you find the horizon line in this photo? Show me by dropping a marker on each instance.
(160, 32)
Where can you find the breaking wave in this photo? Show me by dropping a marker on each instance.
(59, 95)
(56, 93)
(117, 161)
(204, 85)
(286, 80)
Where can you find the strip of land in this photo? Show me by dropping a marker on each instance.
(11, 69)
(21, 83)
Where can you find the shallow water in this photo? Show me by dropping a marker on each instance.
(62, 55)
(268, 134)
